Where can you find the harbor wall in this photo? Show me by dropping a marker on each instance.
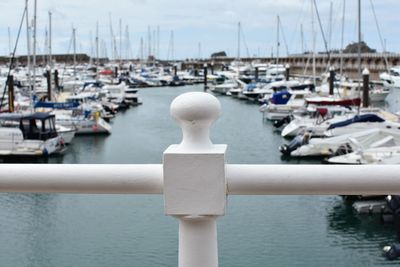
(300, 64)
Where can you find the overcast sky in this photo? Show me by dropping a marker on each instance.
(210, 23)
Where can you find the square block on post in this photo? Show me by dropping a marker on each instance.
(194, 182)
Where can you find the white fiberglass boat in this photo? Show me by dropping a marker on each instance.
(29, 135)
(348, 143)
(90, 123)
(379, 155)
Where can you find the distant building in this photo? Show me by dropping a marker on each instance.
(353, 48)
(219, 54)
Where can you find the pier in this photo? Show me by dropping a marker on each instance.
(301, 64)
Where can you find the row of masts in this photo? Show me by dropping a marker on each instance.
(152, 45)
(148, 48)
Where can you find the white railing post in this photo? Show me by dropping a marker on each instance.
(194, 180)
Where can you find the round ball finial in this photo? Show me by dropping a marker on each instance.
(195, 112)
(365, 72)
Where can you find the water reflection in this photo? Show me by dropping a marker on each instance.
(83, 149)
(346, 225)
(365, 235)
(27, 224)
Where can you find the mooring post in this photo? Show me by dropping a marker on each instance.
(287, 67)
(365, 75)
(48, 79)
(331, 80)
(175, 70)
(194, 179)
(56, 80)
(10, 84)
(116, 72)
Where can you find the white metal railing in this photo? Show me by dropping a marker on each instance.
(195, 179)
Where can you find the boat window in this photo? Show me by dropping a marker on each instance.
(24, 126)
(52, 124)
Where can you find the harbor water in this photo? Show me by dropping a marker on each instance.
(128, 230)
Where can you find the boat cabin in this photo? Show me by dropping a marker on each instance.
(35, 126)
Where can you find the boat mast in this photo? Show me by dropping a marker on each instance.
(97, 47)
(112, 51)
(158, 41)
(50, 56)
(314, 42)
(302, 38)
(28, 44)
(172, 45)
(34, 47)
(74, 45)
(127, 42)
(9, 42)
(277, 40)
(120, 41)
(342, 40)
(359, 48)
(148, 42)
(330, 27)
(238, 52)
(141, 50)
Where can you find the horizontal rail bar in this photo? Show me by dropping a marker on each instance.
(82, 178)
(313, 179)
(241, 179)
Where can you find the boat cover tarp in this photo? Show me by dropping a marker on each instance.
(57, 105)
(334, 102)
(18, 116)
(281, 98)
(38, 116)
(357, 119)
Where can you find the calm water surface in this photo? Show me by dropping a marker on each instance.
(123, 230)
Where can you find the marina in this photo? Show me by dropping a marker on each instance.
(98, 230)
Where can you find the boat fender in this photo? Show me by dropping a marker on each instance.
(392, 252)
